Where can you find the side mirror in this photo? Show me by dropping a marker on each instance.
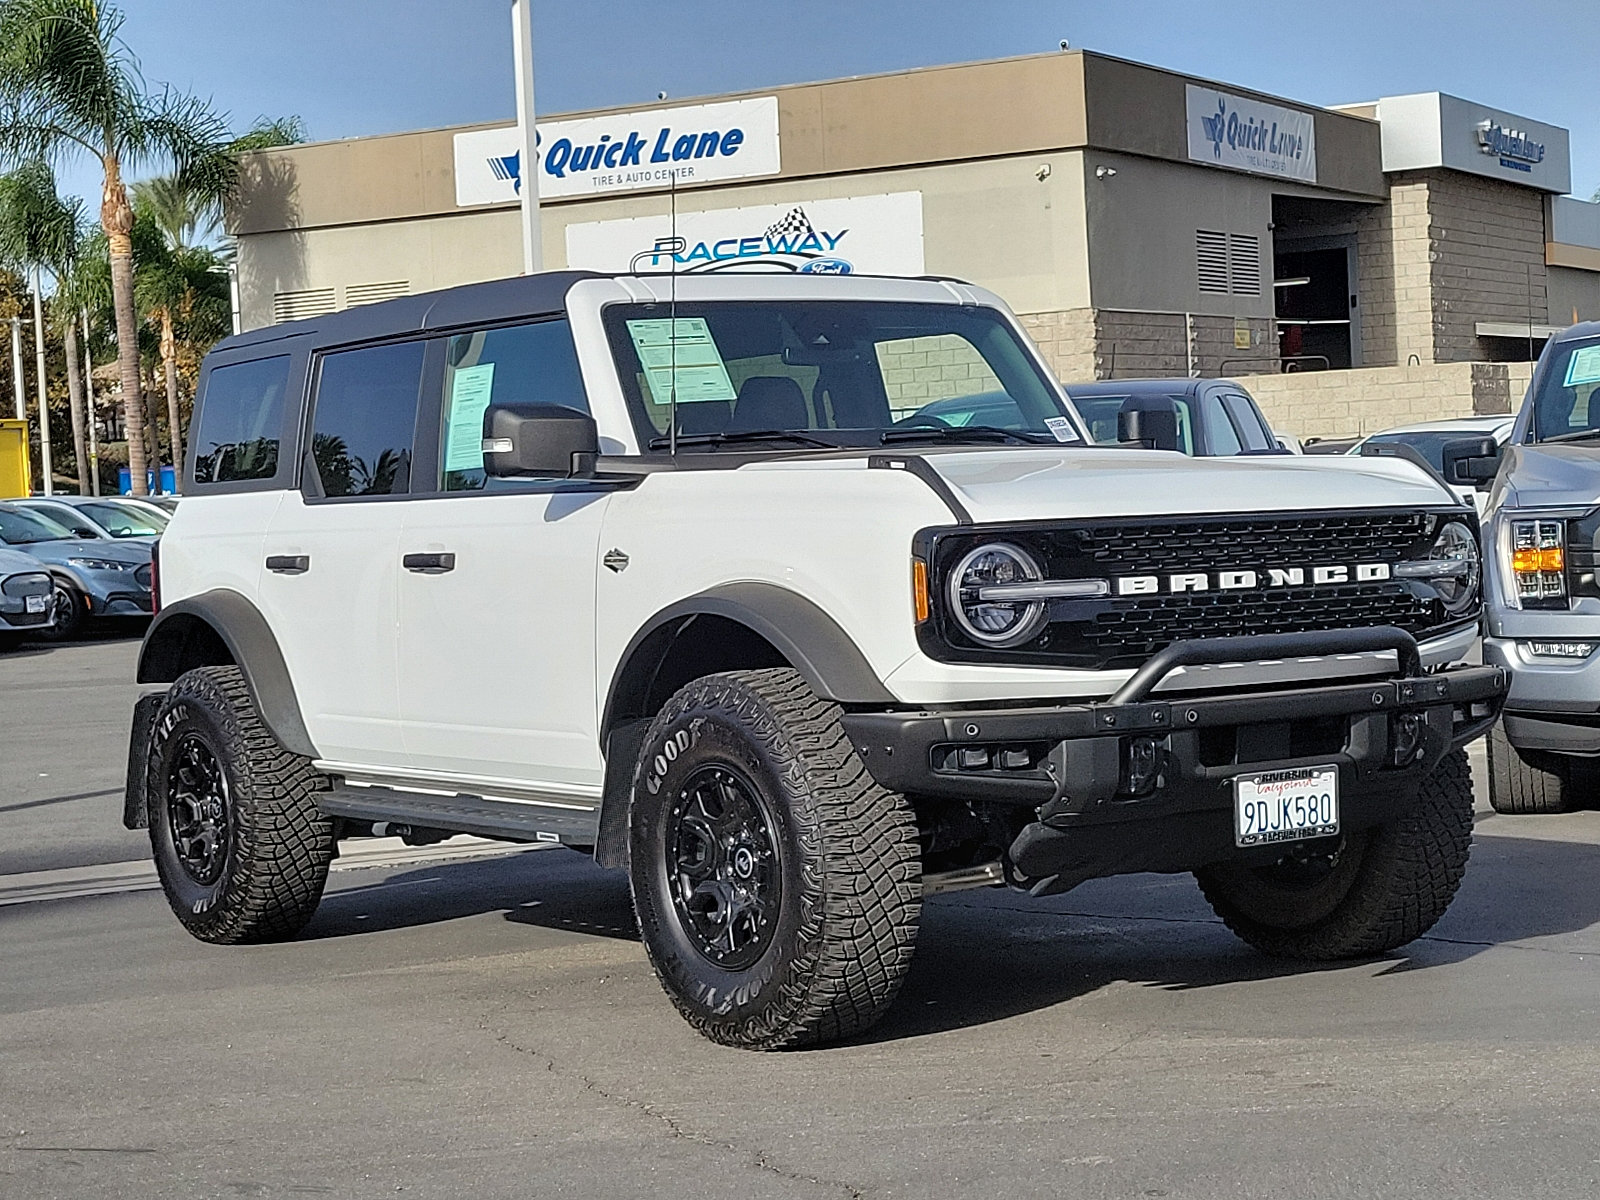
(545, 441)
(1151, 428)
(1472, 462)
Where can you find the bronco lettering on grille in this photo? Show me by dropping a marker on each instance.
(1243, 580)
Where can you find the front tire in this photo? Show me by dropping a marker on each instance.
(239, 843)
(1377, 889)
(1531, 783)
(776, 885)
(71, 613)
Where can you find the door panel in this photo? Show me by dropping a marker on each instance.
(333, 612)
(497, 652)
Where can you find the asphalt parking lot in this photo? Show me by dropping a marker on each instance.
(489, 1027)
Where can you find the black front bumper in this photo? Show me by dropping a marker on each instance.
(1139, 784)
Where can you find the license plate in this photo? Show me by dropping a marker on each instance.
(1285, 806)
(36, 604)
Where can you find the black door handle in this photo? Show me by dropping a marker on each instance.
(429, 564)
(289, 564)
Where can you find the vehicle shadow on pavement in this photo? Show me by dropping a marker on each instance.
(989, 955)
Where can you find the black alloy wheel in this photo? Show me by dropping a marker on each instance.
(727, 884)
(198, 810)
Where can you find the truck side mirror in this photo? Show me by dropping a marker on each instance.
(1153, 428)
(545, 441)
(1472, 462)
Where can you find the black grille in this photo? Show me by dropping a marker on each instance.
(142, 576)
(1218, 544)
(1124, 630)
(1140, 628)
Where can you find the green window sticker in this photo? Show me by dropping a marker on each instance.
(469, 400)
(1584, 366)
(687, 356)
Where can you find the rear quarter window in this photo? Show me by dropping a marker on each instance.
(237, 438)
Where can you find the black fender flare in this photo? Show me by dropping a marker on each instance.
(811, 640)
(250, 643)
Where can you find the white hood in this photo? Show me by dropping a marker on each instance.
(1024, 484)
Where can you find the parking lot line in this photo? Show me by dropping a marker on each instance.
(30, 887)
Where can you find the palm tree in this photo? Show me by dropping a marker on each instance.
(40, 232)
(69, 87)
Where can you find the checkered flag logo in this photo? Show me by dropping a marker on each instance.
(794, 224)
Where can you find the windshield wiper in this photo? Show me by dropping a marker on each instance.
(968, 433)
(1578, 435)
(743, 435)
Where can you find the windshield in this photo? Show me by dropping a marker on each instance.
(124, 520)
(1100, 414)
(838, 372)
(1566, 406)
(19, 528)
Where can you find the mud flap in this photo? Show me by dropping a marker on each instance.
(135, 807)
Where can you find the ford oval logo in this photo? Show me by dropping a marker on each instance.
(826, 266)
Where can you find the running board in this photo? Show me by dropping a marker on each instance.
(511, 820)
(988, 875)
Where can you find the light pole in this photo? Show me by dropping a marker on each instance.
(38, 358)
(94, 423)
(18, 382)
(522, 40)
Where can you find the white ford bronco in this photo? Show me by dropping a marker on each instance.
(709, 577)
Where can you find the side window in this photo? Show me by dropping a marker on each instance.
(1254, 434)
(241, 419)
(364, 417)
(519, 364)
(1222, 436)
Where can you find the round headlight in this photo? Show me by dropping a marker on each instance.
(1456, 549)
(983, 615)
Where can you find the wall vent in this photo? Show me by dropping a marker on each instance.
(296, 306)
(373, 293)
(1244, 264)
(1227, 263)
(1211, 260)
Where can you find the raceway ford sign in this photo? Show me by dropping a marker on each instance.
(621, 152)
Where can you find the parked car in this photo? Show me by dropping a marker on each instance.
(1328, 445)
(92, 577)
(25, 595)
(1216, 417)
(88, 517)
(1542, 579)
(1430, 438)
(790, 662)
(166, 502)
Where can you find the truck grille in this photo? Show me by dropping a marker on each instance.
(1124, 630)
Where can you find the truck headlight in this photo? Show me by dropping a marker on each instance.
(978, 598)
(1537, 554)
(1453, 567)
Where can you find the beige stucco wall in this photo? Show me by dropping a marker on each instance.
(992, 221)
(1366, 400)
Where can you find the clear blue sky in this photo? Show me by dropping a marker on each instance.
(352, 67)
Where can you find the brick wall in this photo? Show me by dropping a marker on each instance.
(1366, 400)
(1103, 343)
(917, 371)
(1066, 339)
(1487, 239)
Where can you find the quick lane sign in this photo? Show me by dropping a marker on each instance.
(622, 152)
(1250, 135)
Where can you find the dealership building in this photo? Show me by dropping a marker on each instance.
(1362, 265)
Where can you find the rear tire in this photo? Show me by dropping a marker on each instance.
(239, 843)
(777, 886)
(1378, 889)
(1523, 782)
